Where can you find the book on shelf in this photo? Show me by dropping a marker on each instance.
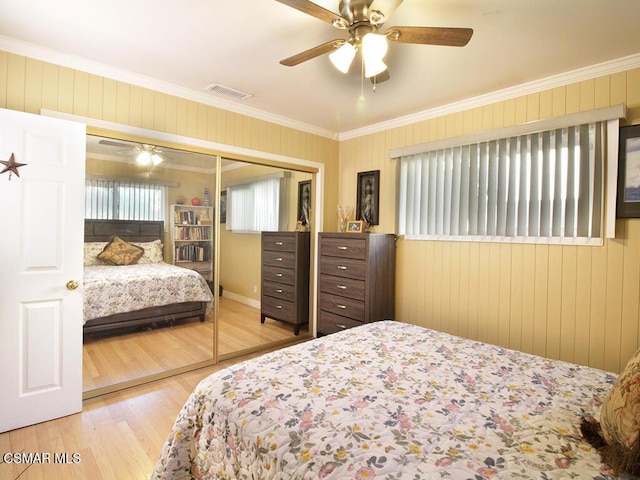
(192, 232)
(193, 252)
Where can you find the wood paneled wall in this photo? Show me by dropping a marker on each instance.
(579, 304)
(30, 85)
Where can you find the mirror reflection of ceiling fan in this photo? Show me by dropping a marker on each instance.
(363, 19)
(146, 155)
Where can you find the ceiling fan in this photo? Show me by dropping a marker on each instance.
(146, 155)
(363, 19)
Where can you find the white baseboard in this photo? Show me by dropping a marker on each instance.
(239, 298)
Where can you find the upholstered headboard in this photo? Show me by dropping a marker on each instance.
(129, 230)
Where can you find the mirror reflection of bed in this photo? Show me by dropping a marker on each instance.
(125, 355)
(136, 305)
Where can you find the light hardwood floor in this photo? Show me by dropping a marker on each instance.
(117, 436)
(120, 358)
(120, 436)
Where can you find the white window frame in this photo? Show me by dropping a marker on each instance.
(439, 171)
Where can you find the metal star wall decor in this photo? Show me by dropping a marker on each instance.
(11, 166)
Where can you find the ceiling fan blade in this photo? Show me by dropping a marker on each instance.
(451, 37)
(312, 53)
(386, 7)
(310, 8)
(112, 143)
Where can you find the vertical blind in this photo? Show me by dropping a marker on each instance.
(124, 200)
(545, 185)
(254, 206)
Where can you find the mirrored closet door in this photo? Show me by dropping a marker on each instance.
(129, 187)
(271, 196)
(130, 184)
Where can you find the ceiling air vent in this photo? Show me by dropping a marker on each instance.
(228, 92)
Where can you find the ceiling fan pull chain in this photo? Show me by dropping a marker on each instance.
(361, 79)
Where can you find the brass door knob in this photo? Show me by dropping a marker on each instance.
(72, 285)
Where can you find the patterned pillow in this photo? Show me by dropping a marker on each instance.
(620, 415)
(119, 252)
(91, 252)
(152, 252)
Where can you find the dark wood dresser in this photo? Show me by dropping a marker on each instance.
(356, 279)
(285, 278)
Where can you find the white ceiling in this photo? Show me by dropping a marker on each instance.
(184, 46)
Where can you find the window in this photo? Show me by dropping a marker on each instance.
(541, 182)
(257, 206)
(124, 200)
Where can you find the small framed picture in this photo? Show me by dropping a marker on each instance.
(368, 197)
(304, 202)
(223, 206)
(355, 226)
(629, 172)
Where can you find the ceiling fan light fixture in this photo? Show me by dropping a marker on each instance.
(143, 158)
(373, 67)
(343, 56)
(148, 155)
(374, 48)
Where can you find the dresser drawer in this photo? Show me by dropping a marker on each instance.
(278, 259)
(343, 267)
(278, 274)
(279, 290)
(278, 309)
(331, 323)
(279, 243)
(344, 247)
(345, 287)
(343, 306)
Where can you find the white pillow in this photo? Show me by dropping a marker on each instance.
(152, 251)
(91, 251)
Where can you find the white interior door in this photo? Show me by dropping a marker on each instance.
(41, 213)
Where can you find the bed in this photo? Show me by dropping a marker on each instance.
(145, 293)
(389, 400)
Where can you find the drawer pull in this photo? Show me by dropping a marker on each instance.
(278, 290)
(341, 267)
(279, 244)
(278, 306)
(339, 325)
(342, 248)
(278, 259)
(341, 287)
(343, 307)
(278, 275)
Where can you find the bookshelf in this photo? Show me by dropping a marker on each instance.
(192, 238)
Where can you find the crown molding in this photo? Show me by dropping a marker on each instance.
(78, 63)
(53, 56)
(586, 73)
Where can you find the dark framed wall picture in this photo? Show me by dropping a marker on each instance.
(368, 197)
(223, 206)
(629, 172)
(304, 201)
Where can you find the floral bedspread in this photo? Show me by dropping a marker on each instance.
(389, 400)
(117, 289)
